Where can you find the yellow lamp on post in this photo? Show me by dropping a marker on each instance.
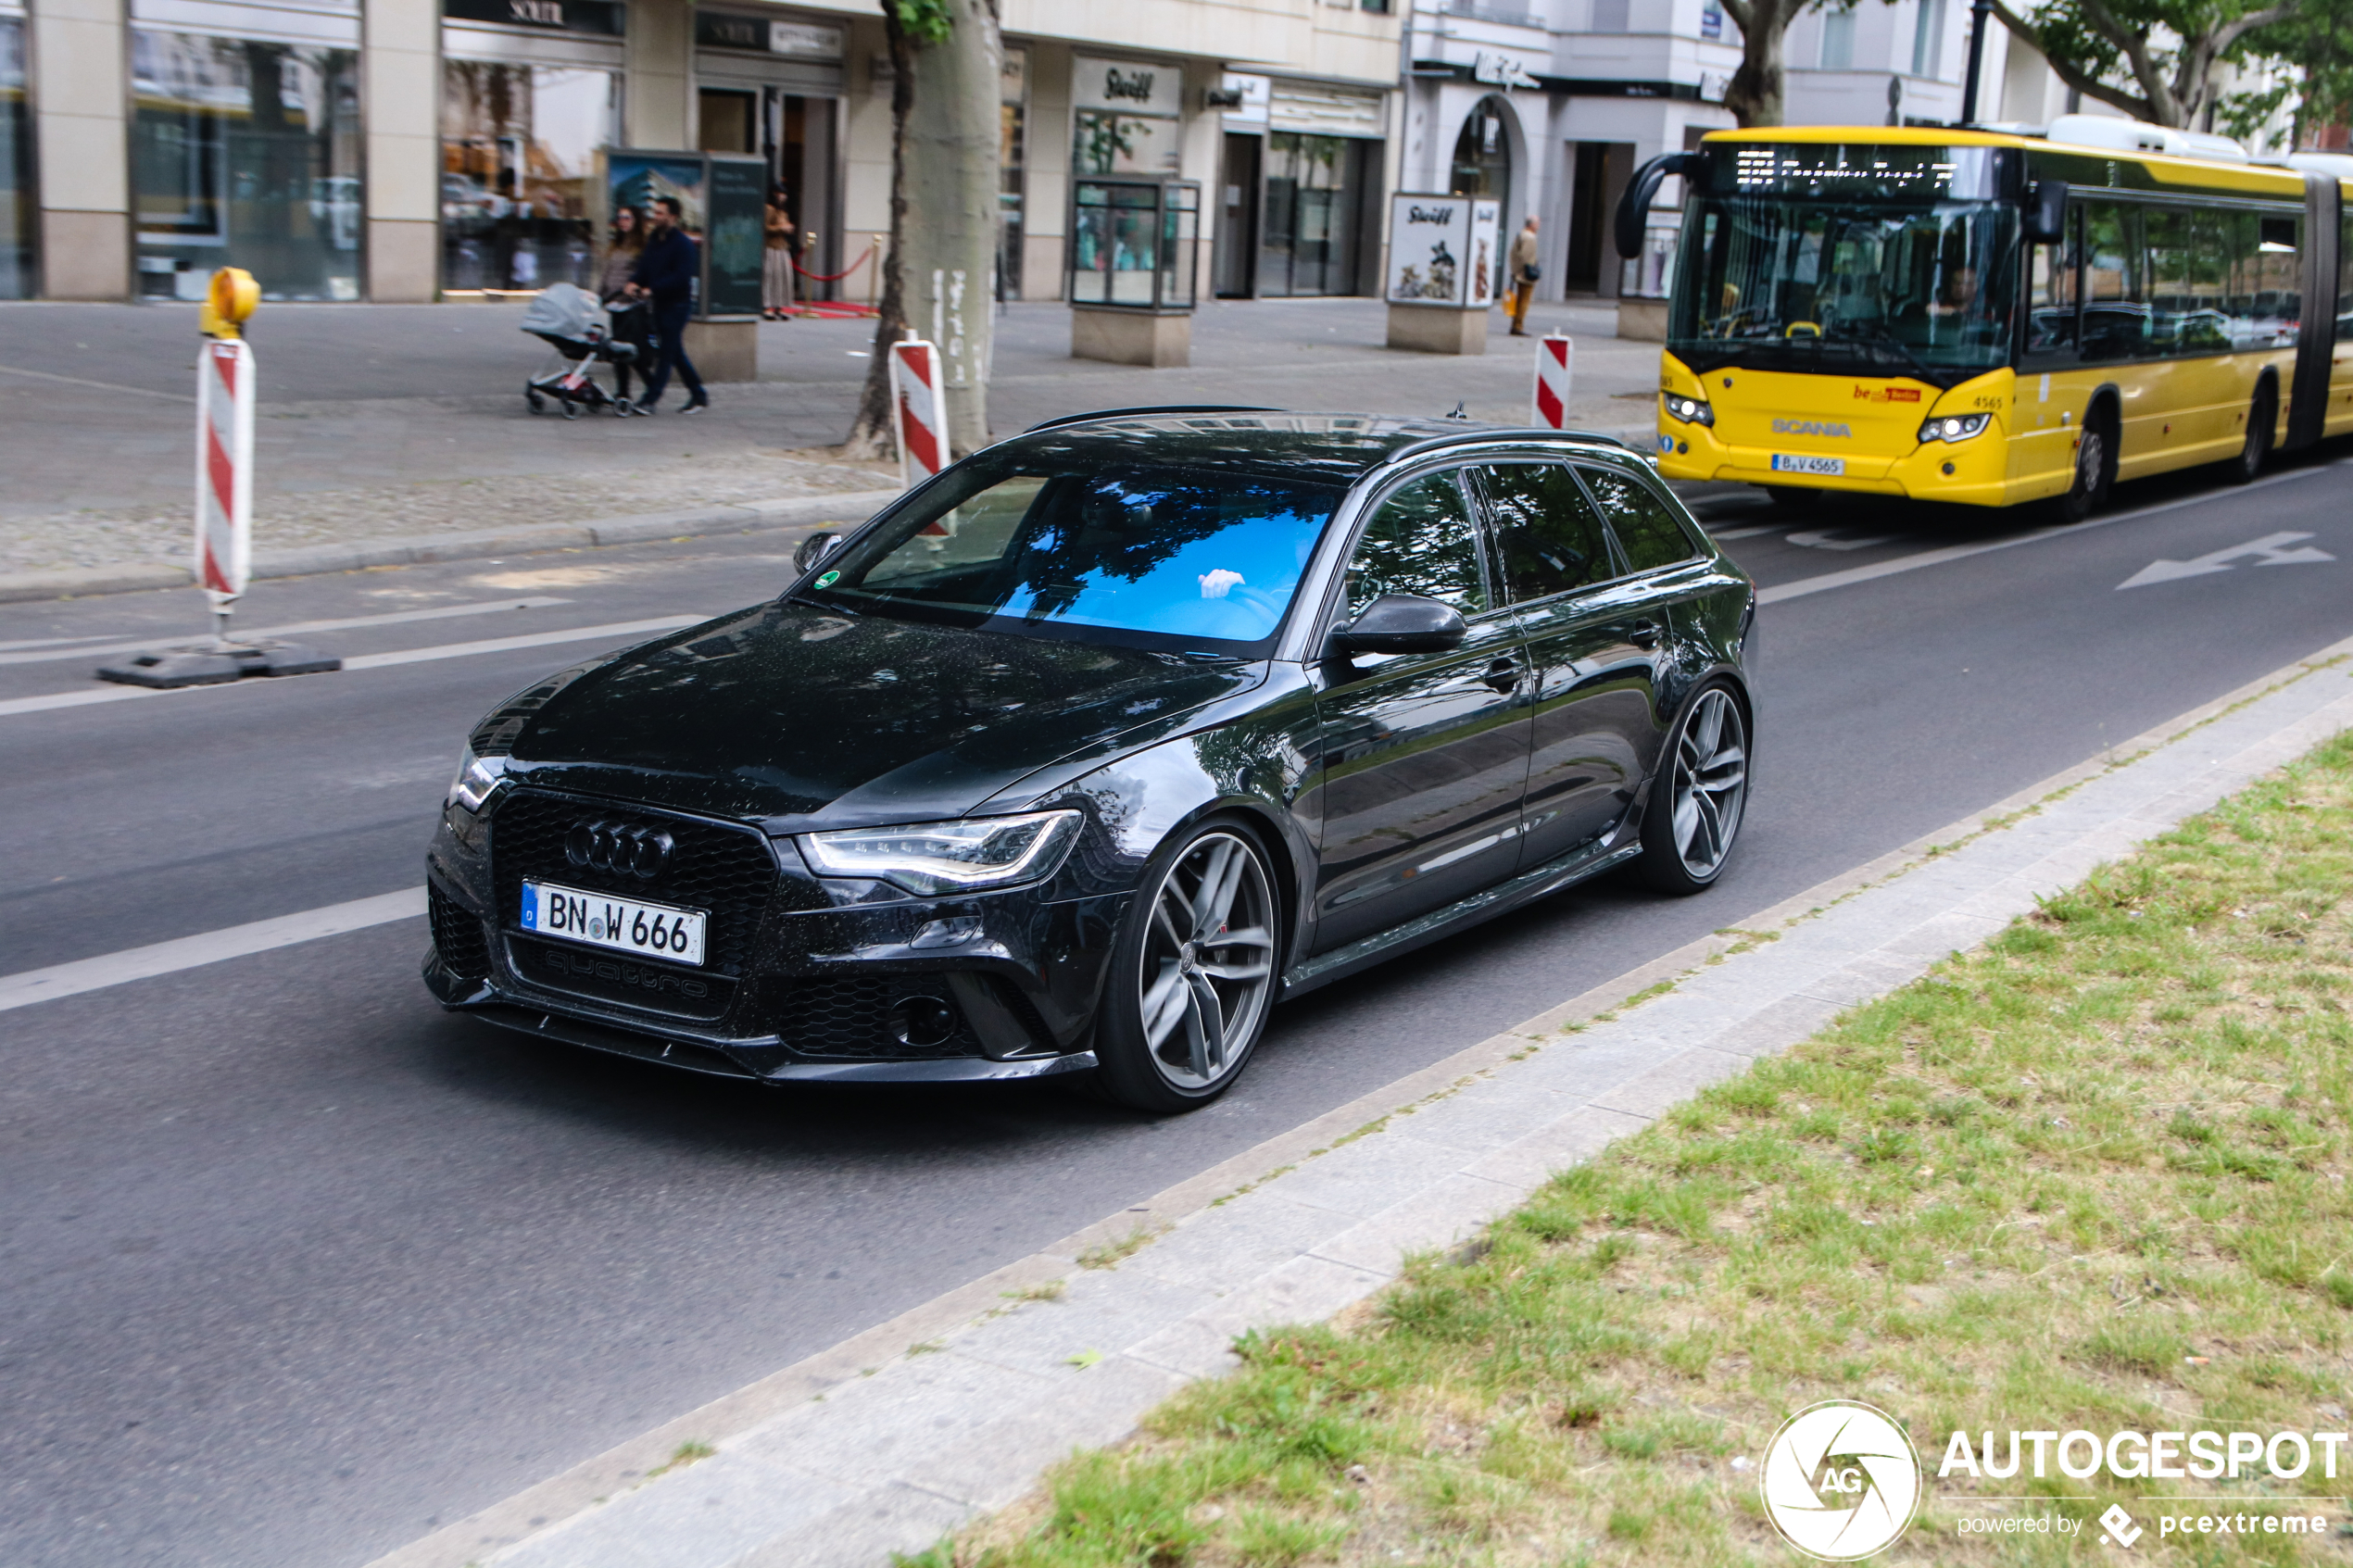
(228, 303)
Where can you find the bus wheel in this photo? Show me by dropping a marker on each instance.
(2094, 470)
(2262, 416)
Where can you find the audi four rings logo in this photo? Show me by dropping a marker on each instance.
(1812, 427)
(618, 848)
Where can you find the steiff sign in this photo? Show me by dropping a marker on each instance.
(1442, 250)
(1128, 86)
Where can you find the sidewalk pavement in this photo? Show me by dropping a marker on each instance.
(887, 1441)
(403, 424)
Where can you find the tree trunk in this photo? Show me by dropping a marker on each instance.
(1756, 91)
(939, 278)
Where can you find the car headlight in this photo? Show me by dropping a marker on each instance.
(935, 858)
(1954, 427)
(478, 778)
(1690, 411)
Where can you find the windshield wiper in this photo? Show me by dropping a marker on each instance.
(793, 598)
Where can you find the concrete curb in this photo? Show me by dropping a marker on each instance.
(884, 1441)
(755, 517)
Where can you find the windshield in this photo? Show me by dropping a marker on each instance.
(1908, 281)
(1161, 558)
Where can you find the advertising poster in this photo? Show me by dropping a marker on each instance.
(636, 179)
(1429, 249)
(734, 243)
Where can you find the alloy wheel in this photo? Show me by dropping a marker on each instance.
(2091, 462)
(1208, 962)
(1710, 783)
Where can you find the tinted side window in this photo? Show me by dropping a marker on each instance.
(1419, 541)
(1548, 537)
(1647, 531)
(2114, 289)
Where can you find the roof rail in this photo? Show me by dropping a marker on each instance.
(1475, 434)
(1155, 409)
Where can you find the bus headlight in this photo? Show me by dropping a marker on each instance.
(1690, 411)
(1954, 427)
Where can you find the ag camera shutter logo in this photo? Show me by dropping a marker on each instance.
(1841, 1481)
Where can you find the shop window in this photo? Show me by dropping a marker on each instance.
(1011, 158)
(245, 154)
(519, 148)
(1483, 153)
(1125, 144)
(1314, 190)
(15, 167)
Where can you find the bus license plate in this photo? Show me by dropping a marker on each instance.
(1785, 462)
(627, 925)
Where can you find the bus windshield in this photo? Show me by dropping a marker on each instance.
(1891, 287)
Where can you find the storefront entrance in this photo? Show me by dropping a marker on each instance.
(771, 88)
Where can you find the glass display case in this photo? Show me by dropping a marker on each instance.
(1132, 243)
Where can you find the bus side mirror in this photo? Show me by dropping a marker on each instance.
(1634, 207)
(2046, 212)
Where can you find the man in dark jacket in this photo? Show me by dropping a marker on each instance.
(666, 273)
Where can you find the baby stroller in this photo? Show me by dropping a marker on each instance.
(571, 321)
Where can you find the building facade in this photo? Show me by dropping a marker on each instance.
(408, 150)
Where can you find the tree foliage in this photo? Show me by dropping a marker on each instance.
(2154, 59)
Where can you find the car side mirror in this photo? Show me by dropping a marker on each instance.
(1401, 623)
(2046, 212)
(814, 548)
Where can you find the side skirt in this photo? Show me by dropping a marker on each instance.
(1576, 866)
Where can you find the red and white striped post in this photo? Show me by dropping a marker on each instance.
(224, 473)
(918, 411)
(1556, 359)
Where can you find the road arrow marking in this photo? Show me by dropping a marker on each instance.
(2270, 550)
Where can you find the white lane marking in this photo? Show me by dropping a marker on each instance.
(617, 631)
(2270, 550)
(1825, 539)
(98, 386)
(34, 985)
(1720, 534)
(293, 629)
(54, 642)
(1854, 574)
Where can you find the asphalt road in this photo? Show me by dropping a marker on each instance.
(294, 1268)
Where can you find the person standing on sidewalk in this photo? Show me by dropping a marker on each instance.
(629, 325)
(775, 293)
(1525, 270)
(665, 274)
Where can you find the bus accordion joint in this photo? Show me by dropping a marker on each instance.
(1796, 327)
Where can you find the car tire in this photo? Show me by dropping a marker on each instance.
(1699, 797)
(1192, 973)
(2094, 470)
(2263, 423)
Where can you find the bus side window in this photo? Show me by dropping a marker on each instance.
(2050, 301)
(2265, 294)
(2115, 298)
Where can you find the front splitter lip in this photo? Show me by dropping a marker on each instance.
(765, 1060)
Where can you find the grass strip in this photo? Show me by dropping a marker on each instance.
(2090, 1176)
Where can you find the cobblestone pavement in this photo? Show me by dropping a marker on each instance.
(391, 420)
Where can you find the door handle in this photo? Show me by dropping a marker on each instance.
(1644, 635)
(1503, 675)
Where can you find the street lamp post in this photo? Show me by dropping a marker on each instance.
(1980, 12)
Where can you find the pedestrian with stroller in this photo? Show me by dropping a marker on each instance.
(776, 278)
(665, 275)
(629, 317)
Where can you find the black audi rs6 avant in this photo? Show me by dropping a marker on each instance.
(1078, 758)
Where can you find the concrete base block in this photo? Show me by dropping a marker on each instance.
(725, 350)
(85, 255)
(1643, 320)
(1437, 328)
(1131, 337)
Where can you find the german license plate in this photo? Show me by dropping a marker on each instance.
(1789, 462)
(602, 919)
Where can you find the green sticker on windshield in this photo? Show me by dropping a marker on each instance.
(829, 579)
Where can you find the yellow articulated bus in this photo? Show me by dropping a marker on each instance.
(1992, 318)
